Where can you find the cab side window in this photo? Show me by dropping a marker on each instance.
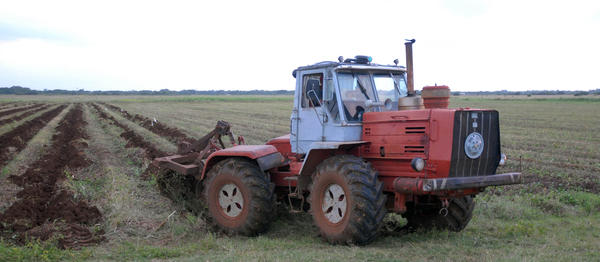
(330, 100)
(312, 90)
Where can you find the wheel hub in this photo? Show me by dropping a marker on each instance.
(334, 203)
(231, 200)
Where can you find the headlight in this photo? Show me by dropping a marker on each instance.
(502, 159)
(474, 145)
(417, 164)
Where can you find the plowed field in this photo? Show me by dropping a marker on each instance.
(75, 185)
(44, 210)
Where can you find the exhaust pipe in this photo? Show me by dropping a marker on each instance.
(410, 84)
(412, 101)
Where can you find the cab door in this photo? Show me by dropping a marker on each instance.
(307, 115)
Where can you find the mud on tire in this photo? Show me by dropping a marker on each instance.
(239, 197)
(428, 217)
(358, 208)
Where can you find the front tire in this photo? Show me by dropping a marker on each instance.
(239, 197)
(347, 200)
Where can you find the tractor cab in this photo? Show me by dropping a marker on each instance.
(331, 98)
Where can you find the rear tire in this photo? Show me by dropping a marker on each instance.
(239, 197)
(460, 212)
(347, 200)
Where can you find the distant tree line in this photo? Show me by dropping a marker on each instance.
(18, 90)
(530, 92)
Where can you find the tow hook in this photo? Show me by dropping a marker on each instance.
(445, 205)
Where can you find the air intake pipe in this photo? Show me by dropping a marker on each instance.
(410, 84)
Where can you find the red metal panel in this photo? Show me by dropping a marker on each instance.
(395, 139)
(282, 144)
(249, 151)
(440, 144)
(399, 136)
(395, 116)
(278, 178)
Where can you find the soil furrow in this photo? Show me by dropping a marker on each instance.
(172, 134)
(15, 140)
(177, 188)
(44, 210)
(133, 139)
(8, 104)
(22, 116)
(16, 110)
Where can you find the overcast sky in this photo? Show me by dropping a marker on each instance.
(245, 45)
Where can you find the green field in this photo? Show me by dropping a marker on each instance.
(556, 216)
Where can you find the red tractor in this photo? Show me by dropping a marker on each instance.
(362, 143)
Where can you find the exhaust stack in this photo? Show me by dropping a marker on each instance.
(411, 101)
(410, 84)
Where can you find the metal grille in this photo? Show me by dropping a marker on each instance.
(485, 123)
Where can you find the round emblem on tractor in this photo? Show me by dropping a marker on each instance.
(474, 145)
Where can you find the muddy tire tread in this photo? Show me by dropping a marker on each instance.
(262, 197)
(367, 214)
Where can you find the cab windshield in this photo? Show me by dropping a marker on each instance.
(358, 87)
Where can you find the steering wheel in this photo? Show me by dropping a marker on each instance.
(388, 104)
(359, 113)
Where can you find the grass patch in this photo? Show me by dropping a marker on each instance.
(129, 251)
(561, 201)
(588, 202)
(36, 251)
(88, 188)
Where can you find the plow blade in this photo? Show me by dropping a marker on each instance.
(183, 164)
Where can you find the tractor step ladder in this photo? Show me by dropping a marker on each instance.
(294, 194)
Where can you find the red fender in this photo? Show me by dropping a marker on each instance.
(266, 156)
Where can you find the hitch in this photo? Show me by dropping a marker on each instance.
(445, 204)
(190, 157)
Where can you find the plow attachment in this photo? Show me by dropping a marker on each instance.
(190, 157)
